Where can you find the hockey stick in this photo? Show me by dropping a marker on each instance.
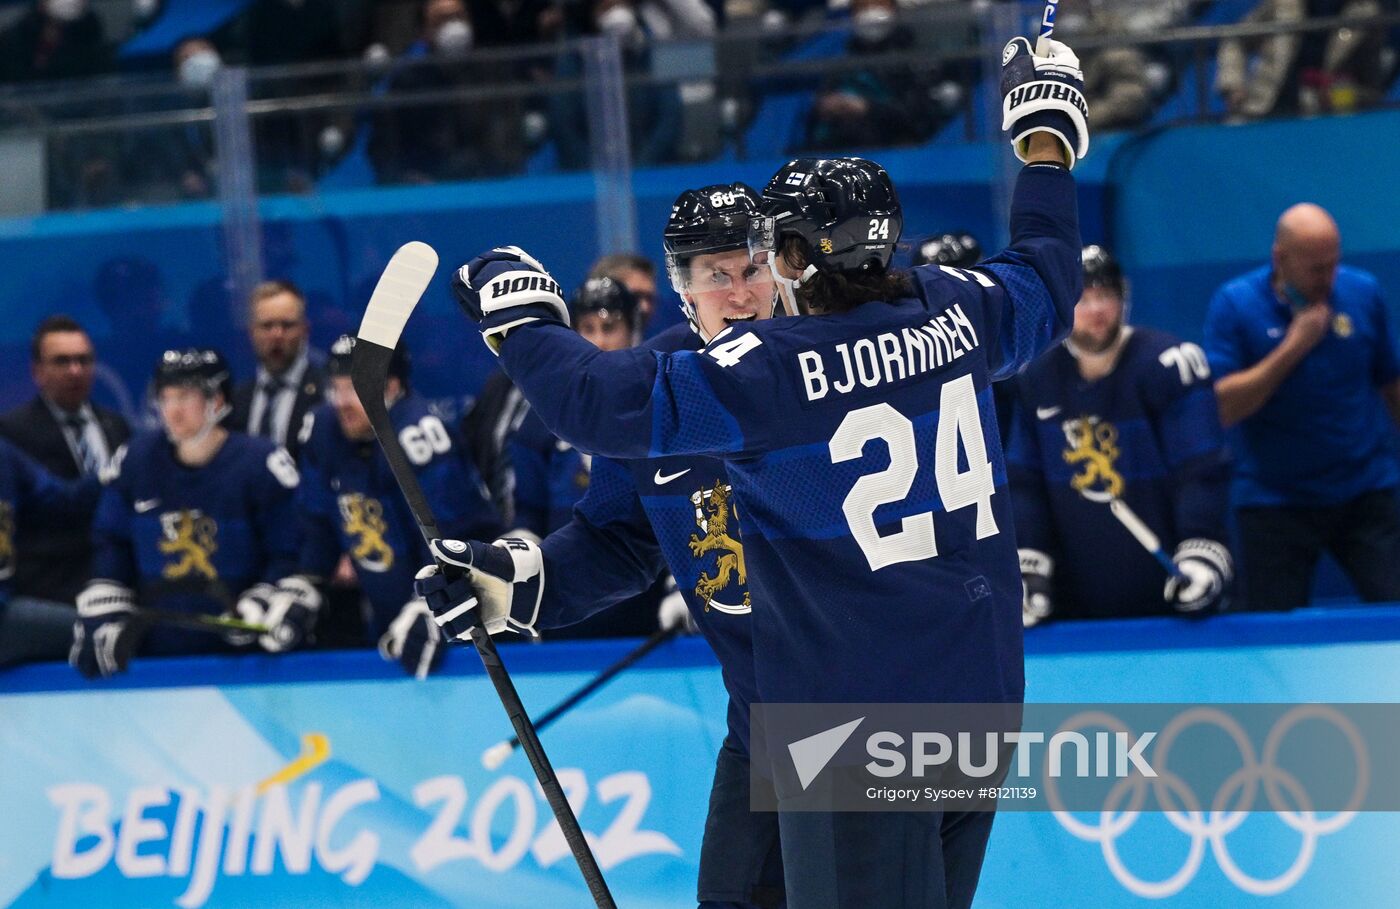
(1047, 26)
(496, 755)
(399, 289)
(1144, 535)
(215, 624)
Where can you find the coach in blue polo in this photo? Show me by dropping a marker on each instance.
(1306, 369)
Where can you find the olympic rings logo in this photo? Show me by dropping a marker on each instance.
(1183, 810)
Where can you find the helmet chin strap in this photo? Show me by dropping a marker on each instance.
(788, 286)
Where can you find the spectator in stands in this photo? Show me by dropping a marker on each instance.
(69, 437)
(32, 628)
(1114, 416)
(637, 273)
(1306, 369)
(414, 142)
(653, 110)
(291, 377)
(1117, 84)
(54, 39)
(676, 20)
(1252, 74)
(873, 104)
(176, 162)
(1346, 68)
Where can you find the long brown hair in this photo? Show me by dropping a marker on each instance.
(831, 292)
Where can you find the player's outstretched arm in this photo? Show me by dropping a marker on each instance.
(624, 404)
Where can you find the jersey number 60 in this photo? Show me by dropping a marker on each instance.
(958, 418)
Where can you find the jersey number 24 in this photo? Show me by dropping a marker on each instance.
(958, 419)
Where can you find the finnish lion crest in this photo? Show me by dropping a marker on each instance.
(712, 517)
(191, 538)
(1093, 448)
(362, 519)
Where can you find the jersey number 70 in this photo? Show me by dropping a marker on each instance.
(958, 418)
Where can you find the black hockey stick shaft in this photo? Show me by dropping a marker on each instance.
(655, 640)
(369, 369)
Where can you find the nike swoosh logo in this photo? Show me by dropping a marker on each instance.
(1045, 413)
(663, 479)
(142, 506)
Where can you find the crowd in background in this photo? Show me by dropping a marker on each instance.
(489, 89)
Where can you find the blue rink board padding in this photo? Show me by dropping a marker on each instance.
(160, 790)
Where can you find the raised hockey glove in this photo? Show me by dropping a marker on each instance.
(104, 635)
(1207, 568)
(291, 614)
(251, 607)
(500, 588)
(1036, 569)
(413, 640)
(1044, 94)
(505, 288)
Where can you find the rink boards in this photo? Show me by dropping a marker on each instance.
(329, 779)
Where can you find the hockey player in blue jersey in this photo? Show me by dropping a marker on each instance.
(350, 504)
(859, 445)
(33, 628)
(195, 519)
(1117, 412)
(550, 474)
(641, 517)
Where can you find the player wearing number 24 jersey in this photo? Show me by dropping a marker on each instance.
(862, 452)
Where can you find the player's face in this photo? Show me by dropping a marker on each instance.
(1309, 265)
(348, 409)
(183, 411)
(611, 333)
(1097, 319)
(65, 368)
(726, 288)
(278, 331)
(643, 287)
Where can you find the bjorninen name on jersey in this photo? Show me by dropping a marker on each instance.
(889, 356)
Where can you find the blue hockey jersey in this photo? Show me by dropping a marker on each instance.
(192, 539)
(550, 476)
(640, 517)
(1147, 433)
(29, 493)
(863, 460)
(350, 503)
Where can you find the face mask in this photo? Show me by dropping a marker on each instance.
(65, 10)
(198, 69)
(453, 36)
(619, 21)
(873, 25)
(144, 9)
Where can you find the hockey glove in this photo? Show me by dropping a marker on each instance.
(1036, 568)
(251, 607)
(504, 288)
(291, 614)
(501, 588)
(1207, 568)
(104, 635)
(674, 611)
(413, 639)
(1044, 94)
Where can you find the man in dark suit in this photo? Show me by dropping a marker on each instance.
(71, 438)
(291, 377)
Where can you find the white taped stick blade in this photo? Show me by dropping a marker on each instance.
(400, 288)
